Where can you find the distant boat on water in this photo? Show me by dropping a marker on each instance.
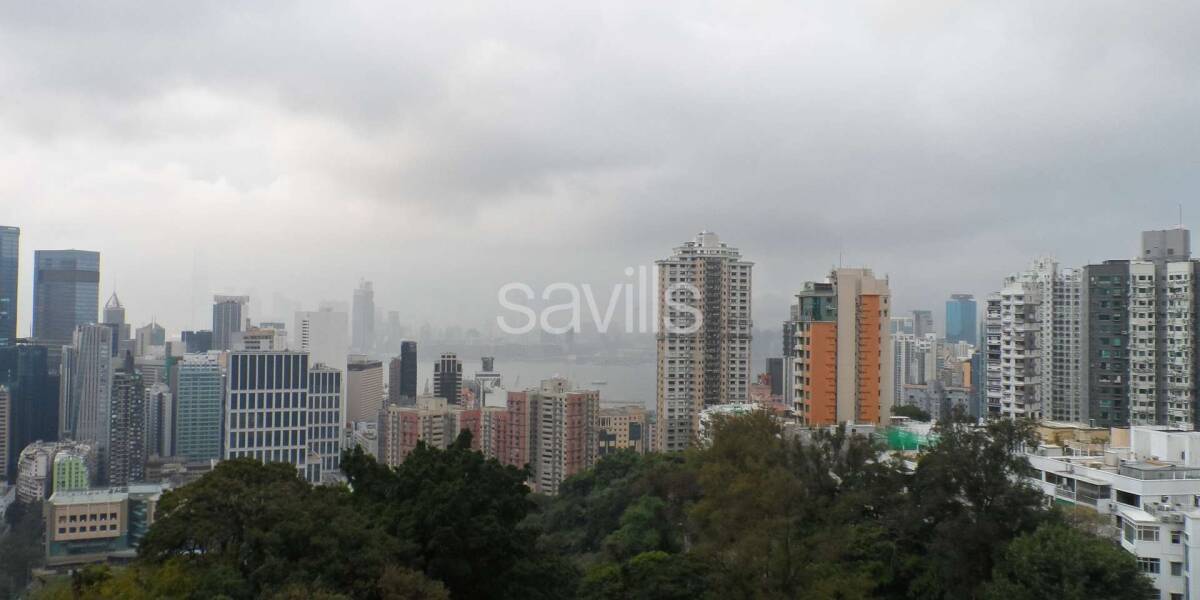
(599, 382)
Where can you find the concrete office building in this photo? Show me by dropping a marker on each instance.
(100, 525)
(843, 366)
(229, 313)
(66, 294)
(267, 410)
(703, 327)
(960, 319)
(364, 388)
(10, 263)
(363, 332)
(198, 407)
(325, 417)
(324, 334)
(86, 386)
(448, 378)
(260, 338)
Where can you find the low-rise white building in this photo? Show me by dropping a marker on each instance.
(1147, 479)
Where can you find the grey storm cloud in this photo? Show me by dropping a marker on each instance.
(442, 150)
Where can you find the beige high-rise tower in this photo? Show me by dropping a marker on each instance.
(703, 335)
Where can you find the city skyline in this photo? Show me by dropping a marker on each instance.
(812, 136)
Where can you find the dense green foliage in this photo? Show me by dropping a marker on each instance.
(20, 546)
(911, 411)
(753, 515)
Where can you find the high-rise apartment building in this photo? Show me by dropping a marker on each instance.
(960, 319)
(198, 407)
(1163, 331)
(85, 387)
(363, 334)
(33, 397)
(267, 410)
(566, 432)
(125, 459)
(324, 334)
(364, 388)
(703, 335)
(447, 378)
(228, 316)
(10, 247)
(325, 417)
(843, 367)
(66, 294)
(1037, 320)
(429, 419)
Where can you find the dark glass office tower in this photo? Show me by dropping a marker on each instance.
(960, 319)
(66, 293)
(402, 375)
(197, 342)
(10, 245)
(775, 372)
(408, 369)
(33, 409)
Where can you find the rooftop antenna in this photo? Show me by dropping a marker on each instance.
(1181, 215)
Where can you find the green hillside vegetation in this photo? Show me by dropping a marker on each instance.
(751, 516)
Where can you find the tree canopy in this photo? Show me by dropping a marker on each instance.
(758, 513)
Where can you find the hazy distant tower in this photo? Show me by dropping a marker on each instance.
(363, 332)
(228, 313)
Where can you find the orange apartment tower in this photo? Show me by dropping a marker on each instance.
(840, 351)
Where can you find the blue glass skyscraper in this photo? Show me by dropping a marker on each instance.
(66, 292)
(10, 245)
(960, 319)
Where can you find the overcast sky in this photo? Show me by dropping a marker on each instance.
(293, 148)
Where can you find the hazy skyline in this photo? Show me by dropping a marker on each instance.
(295, 148)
